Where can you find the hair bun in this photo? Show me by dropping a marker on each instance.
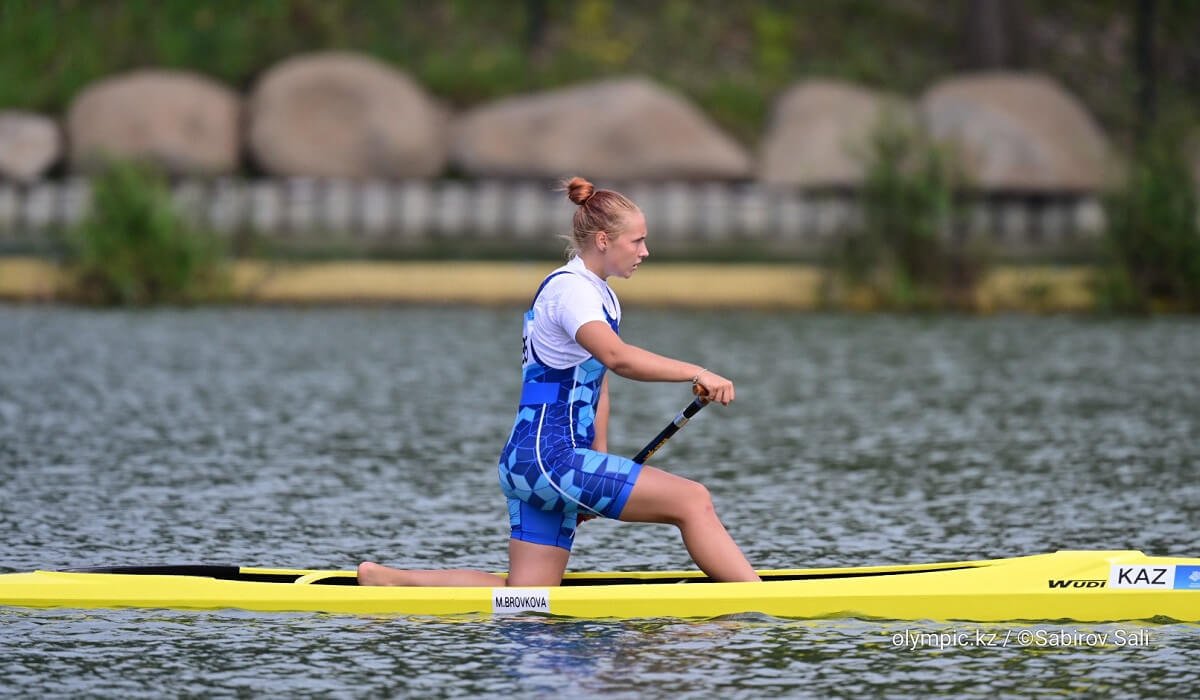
(579, 190)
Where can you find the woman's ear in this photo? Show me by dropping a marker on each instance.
(601, 241)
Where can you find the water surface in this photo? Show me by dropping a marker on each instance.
(316, 438)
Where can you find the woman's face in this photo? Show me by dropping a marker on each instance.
(625, 252)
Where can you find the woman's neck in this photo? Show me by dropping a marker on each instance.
(593, 260)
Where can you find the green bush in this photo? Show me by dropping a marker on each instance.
(1152, 236)
(135, 249)
(900, 251)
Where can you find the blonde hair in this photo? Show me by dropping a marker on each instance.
(599, 210)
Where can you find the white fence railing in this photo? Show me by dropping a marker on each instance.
(382, 215)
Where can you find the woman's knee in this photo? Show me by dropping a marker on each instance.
(659, 497)
(694, 501)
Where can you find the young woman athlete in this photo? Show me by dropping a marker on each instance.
(555, 469)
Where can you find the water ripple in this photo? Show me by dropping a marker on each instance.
(320, 437)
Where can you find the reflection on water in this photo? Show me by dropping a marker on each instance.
(151, 654)
(319, 437)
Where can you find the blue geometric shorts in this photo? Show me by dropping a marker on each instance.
(545, 500)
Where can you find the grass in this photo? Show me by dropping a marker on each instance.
(134, 248)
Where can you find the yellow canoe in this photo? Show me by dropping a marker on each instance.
(1090, 586)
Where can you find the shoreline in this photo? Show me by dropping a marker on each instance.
(752, 286)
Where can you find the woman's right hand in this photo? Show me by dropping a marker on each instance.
(713, 387)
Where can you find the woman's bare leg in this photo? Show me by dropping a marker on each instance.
(661, 497)
(372, 574)
(532, 564)
(529, 565)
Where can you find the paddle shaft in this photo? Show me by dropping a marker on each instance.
(673, 427)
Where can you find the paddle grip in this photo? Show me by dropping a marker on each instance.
(673, 427)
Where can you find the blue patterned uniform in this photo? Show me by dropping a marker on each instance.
(547, 470)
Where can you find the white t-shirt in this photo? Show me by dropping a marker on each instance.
(567, 302)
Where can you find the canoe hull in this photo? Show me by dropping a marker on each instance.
(1080, 586)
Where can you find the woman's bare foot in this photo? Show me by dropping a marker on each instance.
(372, 574)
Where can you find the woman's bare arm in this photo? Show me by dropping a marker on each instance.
(632, 362)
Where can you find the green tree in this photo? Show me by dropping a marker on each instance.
(1152, 235)
(902, 250)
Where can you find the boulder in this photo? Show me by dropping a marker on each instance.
(1018, 131)
(340, 114)
(183, 122)
(819, 133)
(29, 145)
(625, 129)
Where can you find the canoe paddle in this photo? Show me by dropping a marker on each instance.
(673, 427)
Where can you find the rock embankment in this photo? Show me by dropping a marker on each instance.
(346, 115)
(340, 115)
(627, 129)
(186, 123)
(1018, 132)
(29, 145)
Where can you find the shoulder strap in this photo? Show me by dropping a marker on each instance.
(610, 296)
(544, 283)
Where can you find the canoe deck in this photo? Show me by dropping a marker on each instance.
(1089, 586)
